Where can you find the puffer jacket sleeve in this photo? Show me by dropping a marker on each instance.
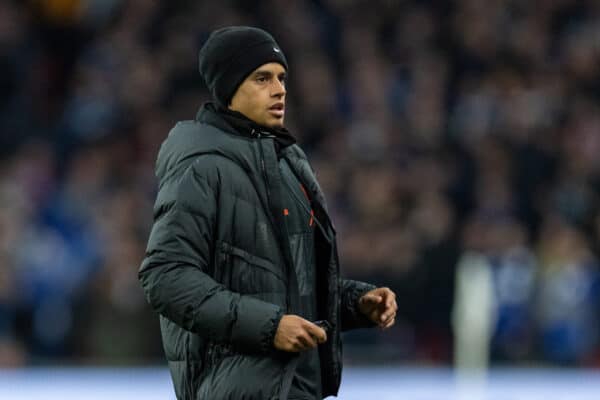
(174, 272)
(352, 318)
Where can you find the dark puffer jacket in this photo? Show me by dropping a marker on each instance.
(218, 265)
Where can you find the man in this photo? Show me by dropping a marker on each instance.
(242, 260)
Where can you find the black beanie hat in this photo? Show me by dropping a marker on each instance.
(231, 54)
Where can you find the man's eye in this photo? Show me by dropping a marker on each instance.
(261, 79)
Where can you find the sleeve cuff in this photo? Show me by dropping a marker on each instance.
(267, 343)
(356, 318)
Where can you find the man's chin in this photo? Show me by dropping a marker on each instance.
(278, 123)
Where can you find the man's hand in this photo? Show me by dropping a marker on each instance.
(379, 305)
(295, 334)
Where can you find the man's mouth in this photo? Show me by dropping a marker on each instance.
(277, 109)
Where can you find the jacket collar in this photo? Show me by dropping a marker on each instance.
(238, 124)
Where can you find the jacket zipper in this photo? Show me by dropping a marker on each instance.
(262, 164)
(264, 172)
(291, 367)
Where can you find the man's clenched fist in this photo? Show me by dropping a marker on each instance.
(379, 305)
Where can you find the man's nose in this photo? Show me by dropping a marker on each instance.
(279, 88)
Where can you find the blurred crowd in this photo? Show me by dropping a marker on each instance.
(438, 130)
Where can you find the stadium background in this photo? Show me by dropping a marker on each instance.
(440, 131)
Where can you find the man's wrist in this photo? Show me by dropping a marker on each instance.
(355, 301)
(269, 341)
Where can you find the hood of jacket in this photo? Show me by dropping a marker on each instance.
(216, 131)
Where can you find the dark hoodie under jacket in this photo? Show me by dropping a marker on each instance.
(218, 266)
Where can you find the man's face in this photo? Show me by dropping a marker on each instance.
(261, 97)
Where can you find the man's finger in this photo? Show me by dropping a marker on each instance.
(390, 299)
(298, 347)
(391, 310)
(307, 341)
(385, 321)
(371, 298)
(317, 332)
(389, 323)
(387, 312)
(387, 295)
(387, 317)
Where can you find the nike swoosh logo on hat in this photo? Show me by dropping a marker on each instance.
(276, 50)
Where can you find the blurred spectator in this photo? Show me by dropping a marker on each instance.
(569, 290)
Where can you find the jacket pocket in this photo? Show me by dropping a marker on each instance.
(242, 377)
(247, 273)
